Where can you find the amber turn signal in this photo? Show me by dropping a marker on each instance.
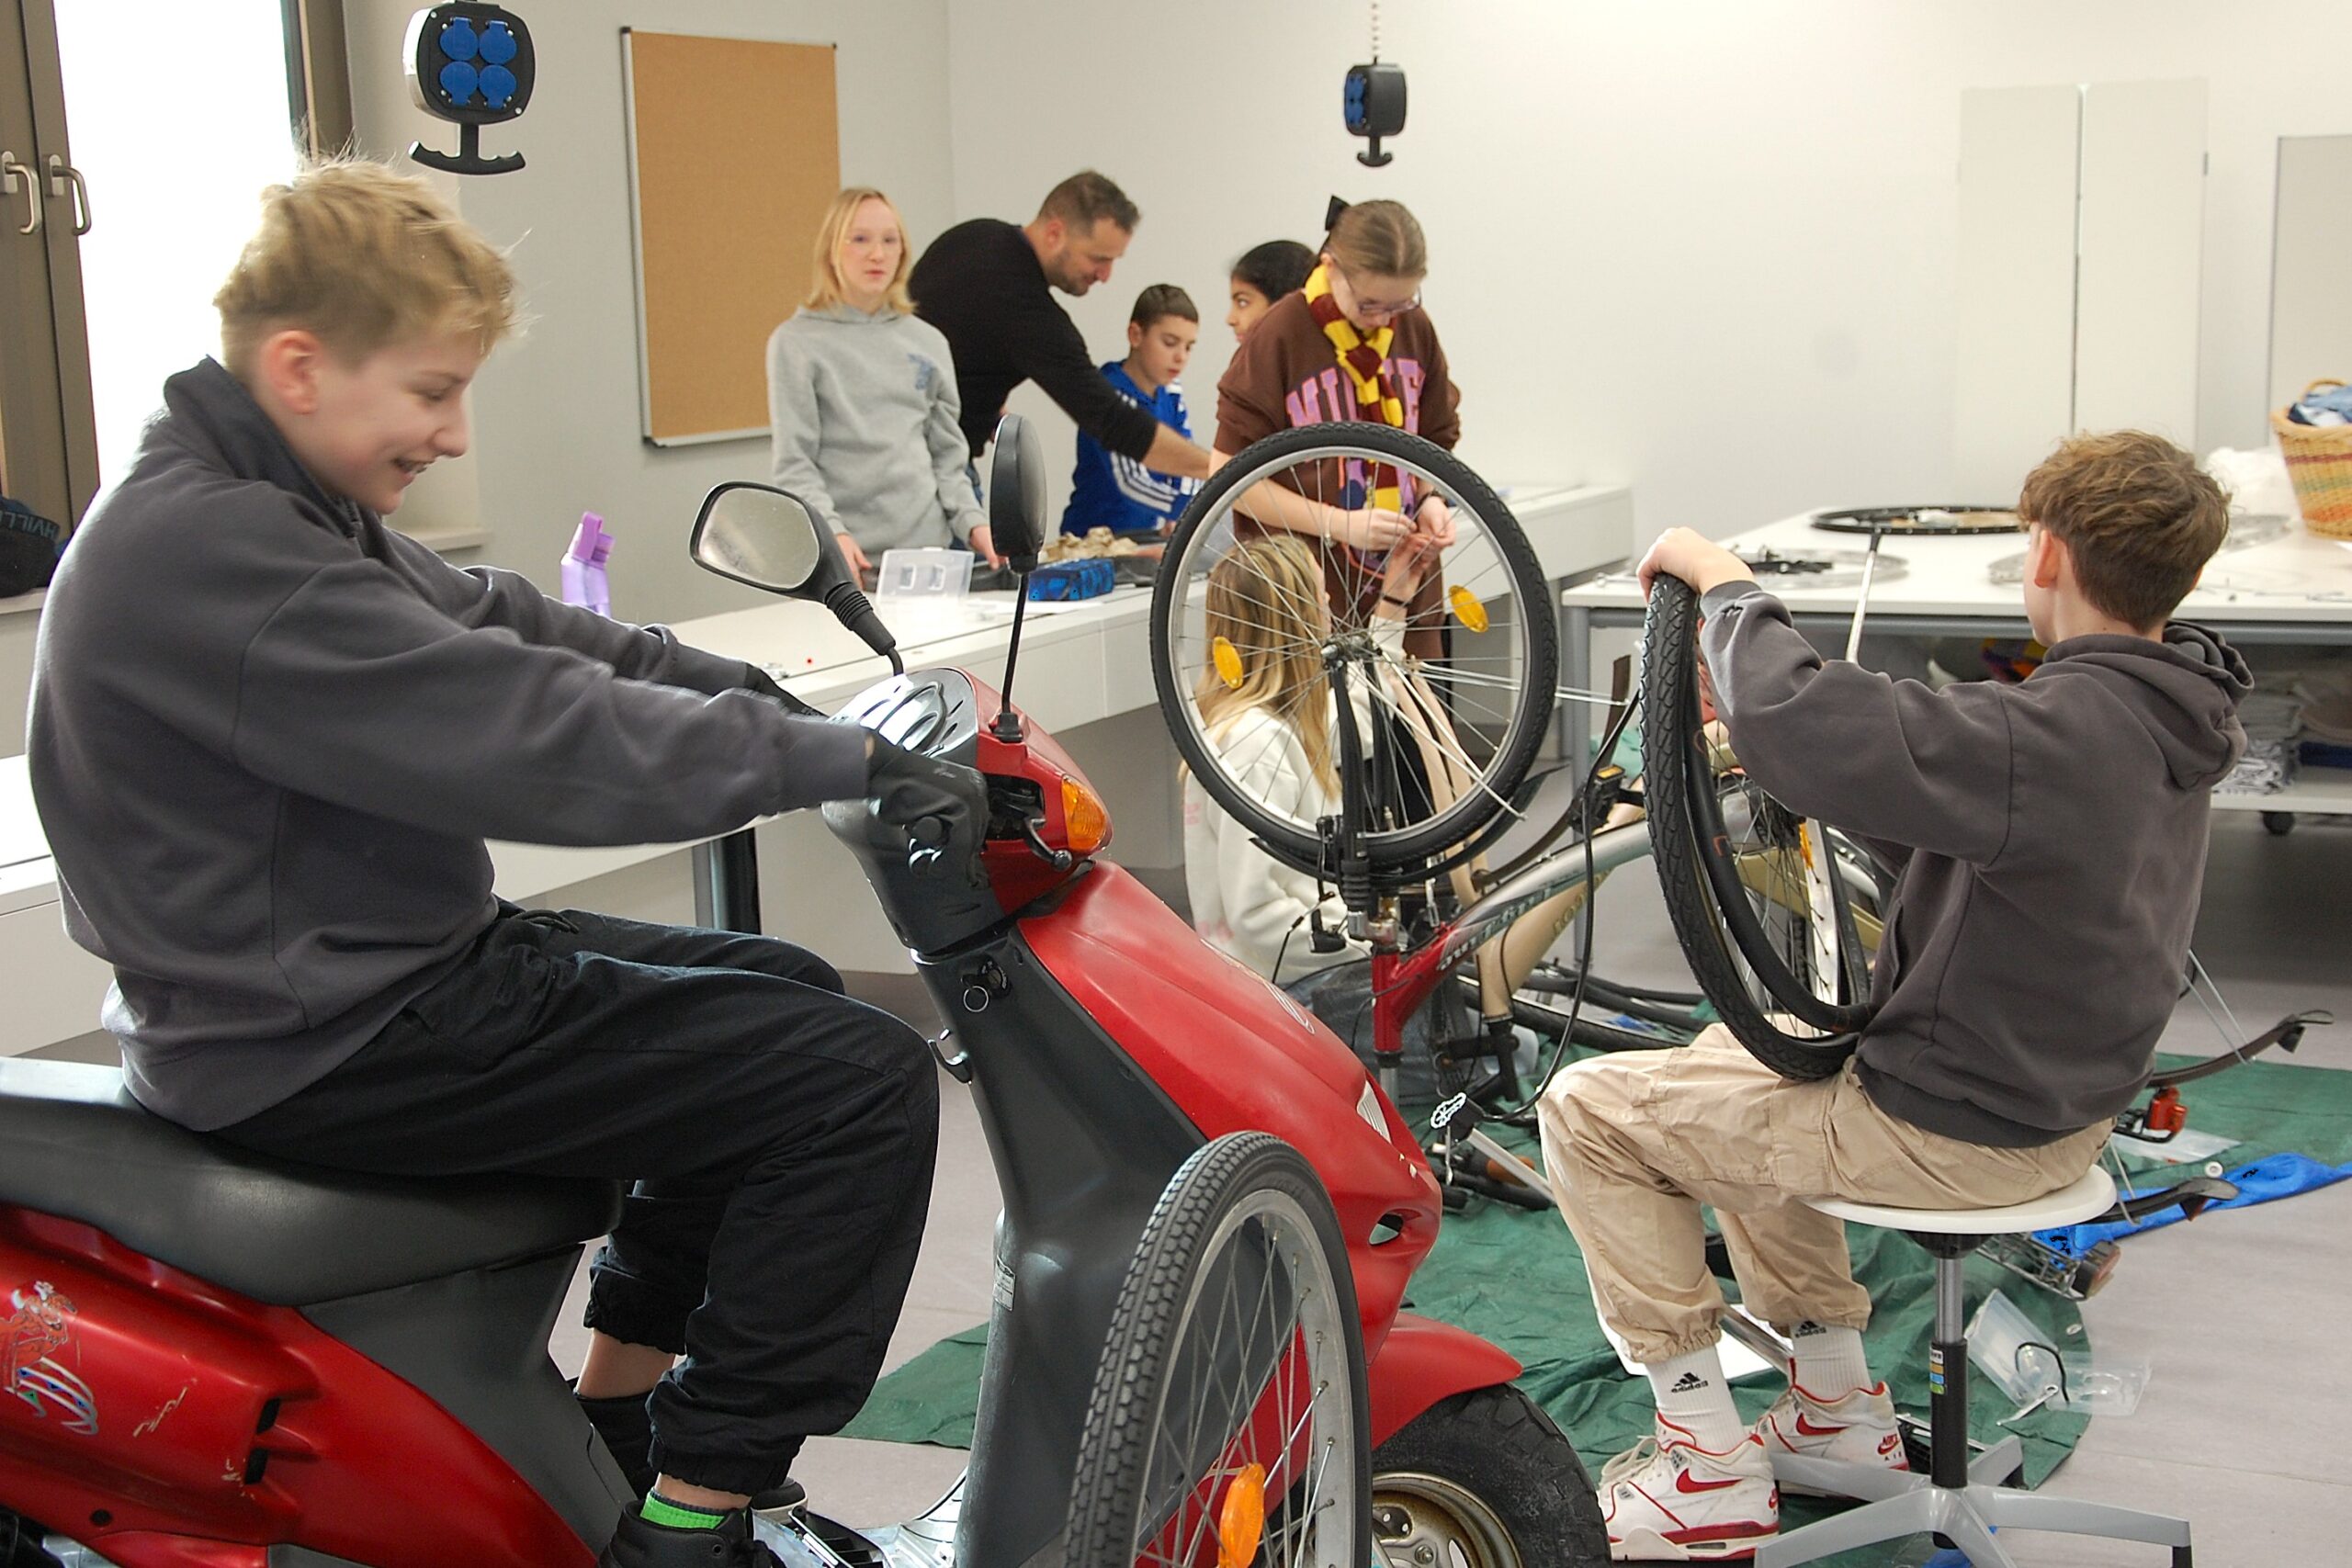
(1086, 825)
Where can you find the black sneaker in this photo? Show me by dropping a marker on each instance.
(641, 1543)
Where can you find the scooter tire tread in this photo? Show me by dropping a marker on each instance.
(1500, 1445)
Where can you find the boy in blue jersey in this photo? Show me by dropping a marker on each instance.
(1119, 493)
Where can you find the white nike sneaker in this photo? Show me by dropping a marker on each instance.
(1857, 1429)
(1668, 1500)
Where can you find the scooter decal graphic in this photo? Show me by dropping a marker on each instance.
(35, 1328)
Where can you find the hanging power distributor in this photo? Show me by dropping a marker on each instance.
(1373, 103)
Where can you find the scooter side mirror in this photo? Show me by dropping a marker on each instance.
(766, 538)
(1017, 493)
(762, 535)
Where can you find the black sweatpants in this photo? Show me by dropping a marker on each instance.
(781, 1138)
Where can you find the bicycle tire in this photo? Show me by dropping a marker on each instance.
(1671, 736)
(1387, 850)
(1162, 1287)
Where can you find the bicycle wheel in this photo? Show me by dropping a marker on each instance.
(1463, 689)
(1756, 894)
(1227, 1421)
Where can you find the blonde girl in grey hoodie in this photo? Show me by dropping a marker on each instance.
(861, 397)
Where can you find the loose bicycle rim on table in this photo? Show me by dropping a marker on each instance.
(1481, 644)
(1227, 1421)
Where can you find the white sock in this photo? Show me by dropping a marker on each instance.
(1829, 1363)
(1693, 1394)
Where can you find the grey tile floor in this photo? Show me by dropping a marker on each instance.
(2242, 1315)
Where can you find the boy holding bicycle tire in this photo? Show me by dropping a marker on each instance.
(2049, 838)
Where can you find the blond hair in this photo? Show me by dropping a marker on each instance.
(1378, 239)
(2138, 515)
(1266, 597)
(825, 282)
(363, 257)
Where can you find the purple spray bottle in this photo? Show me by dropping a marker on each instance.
(583, 566)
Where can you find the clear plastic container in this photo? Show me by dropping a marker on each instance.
(925, 574)
(2019, 1357)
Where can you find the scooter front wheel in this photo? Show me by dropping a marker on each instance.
(1227, 1421)
(1484, 1480)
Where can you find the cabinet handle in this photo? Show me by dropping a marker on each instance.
(13, 174)
(61, 173)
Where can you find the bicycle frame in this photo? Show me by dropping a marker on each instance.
(1402, 981)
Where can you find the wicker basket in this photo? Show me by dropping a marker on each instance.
(2319, 461)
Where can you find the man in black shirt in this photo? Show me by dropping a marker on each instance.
(988, 286)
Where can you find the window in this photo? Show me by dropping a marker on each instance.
(110, 249)
(180, 119)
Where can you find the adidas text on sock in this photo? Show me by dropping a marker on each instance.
(1828, 1363)
(1692, 1394)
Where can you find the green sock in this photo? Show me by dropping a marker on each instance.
(658, 1509)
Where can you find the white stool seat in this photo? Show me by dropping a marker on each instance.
(1960, 1499)
(2085, 1199)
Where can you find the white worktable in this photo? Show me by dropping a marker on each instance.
(2296, 590)
(1081, 665)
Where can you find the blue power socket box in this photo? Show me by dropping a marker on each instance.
(1073, 579)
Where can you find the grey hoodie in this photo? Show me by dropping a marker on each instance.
(269, 735)
(2051, 838)
(862, 412)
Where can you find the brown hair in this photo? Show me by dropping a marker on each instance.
(2137, 514)
(825, 277)
(1163, 300)
(363, 257)
(1378, 239)
(1087, 199)
(1261, 596)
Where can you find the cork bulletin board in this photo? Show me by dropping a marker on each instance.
(734, 152)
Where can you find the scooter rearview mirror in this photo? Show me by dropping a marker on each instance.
(1017, 493)
(1017, 525)
(762, 535)
(759, 535)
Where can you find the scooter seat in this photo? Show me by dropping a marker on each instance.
(74, 1144)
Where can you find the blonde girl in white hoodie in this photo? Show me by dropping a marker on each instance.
(1274, 732)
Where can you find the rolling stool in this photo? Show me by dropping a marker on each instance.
(1958, 1500)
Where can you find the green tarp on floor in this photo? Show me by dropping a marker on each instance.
(1515, 1277)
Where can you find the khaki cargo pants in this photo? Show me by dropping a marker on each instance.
(1634, 1143)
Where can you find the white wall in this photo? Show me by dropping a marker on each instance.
(556, 413)
(1706, 249)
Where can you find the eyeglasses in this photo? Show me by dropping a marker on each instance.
(1370, 308)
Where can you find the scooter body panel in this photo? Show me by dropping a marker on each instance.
(1423, 1361)
(1237, 1055)
(1084, 1144)
(168, 1423)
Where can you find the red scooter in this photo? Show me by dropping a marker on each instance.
(216, 1360)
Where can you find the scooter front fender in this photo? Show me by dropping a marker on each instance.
(1422, 1362)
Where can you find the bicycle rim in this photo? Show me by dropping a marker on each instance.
(1464, 687)
(1227, 1417)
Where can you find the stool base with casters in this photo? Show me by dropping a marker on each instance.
(1958, 1500)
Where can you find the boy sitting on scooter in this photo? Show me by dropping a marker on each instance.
(268, 738)
(2051, 837)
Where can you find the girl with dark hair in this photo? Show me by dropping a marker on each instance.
(1263, 274)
